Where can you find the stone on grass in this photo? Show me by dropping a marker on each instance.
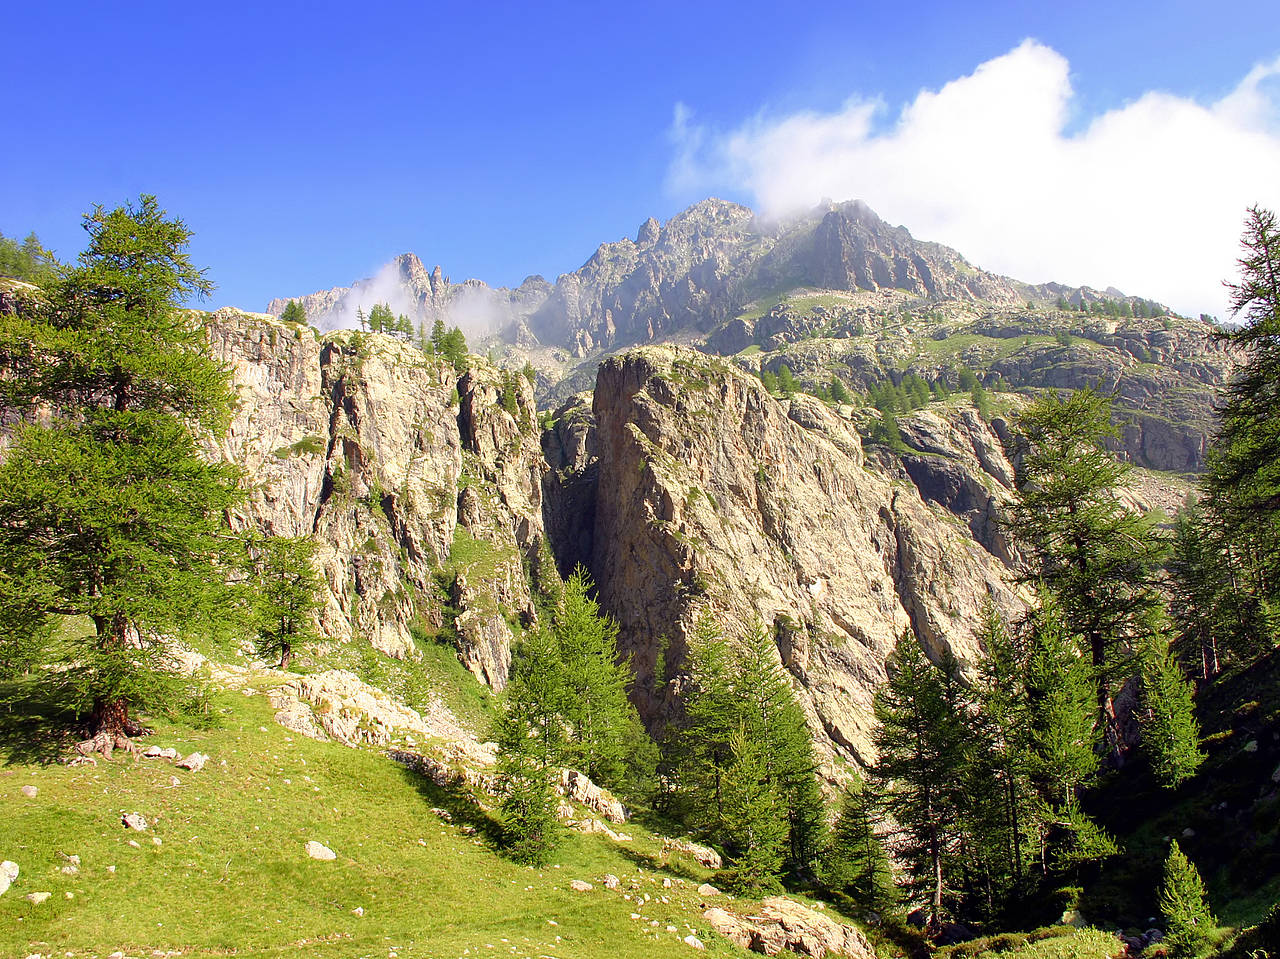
(318, 850)
(692, 940)
(195, 762)
(35, 898)
(9, 868)
(30, 791)
(706, 889)
(611, 881)
(134, 820)
(578, 885)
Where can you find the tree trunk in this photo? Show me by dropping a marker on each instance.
(286, 655)
(111, 716)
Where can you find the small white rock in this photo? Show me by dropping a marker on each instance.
(134, 820)
(708, 890)
(10, 869)
(35, 898)
(694, 941)
(611, 881)
(578, 885)
(195, 762)
(358, 911)
(30, 791)
(318, 850)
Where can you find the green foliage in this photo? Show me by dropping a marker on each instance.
(381, 319)
(1170, 734)
(922, 746)
(786, 381)
(855, 862)
(110, 510)
(733, 691)
(1097, 559)
(529, 372)
(839, 392)
(28, 260)
(288, 596)
(1185, 907)
(294, 312)
(769, 380)
(531, 735)
(754, 822)
(605, 737)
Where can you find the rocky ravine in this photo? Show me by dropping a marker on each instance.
(709, 494)
(681, 483)
(412, 480)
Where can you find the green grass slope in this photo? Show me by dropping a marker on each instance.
(222, 869)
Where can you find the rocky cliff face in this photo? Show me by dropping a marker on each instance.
(709, 494)
(424, 296)
(423, 492)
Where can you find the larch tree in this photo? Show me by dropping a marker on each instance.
(288, 596)
(107, 510)
(922, 745)
(1097, 558)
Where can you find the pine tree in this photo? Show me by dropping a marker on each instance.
(1005, 816)
(770, 713)
(1189, 923)
(294, 312)
(438, 334)
(605, 739)
(109, 510)
(737, 688)
(381, 319)
(288, 596)
(921, 744)
(839, 392)
(854, 862)
(786, 380)
(753, 817)
(531, 737)
(1170, 733)
(1097, 559)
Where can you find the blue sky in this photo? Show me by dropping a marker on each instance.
(308, 143)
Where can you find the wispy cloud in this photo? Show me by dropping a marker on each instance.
(1148, 197)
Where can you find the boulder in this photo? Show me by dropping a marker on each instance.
(581, 789)
(134, 820)
(702, 855)
(783, 923)
(195, 762)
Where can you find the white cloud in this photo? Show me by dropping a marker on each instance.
(1149, 197)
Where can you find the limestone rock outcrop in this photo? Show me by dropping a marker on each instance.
(712, 495)
(782, 923)
(422, 491)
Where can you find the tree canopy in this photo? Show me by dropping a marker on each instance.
(108, 510)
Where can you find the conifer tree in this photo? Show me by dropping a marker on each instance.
(854, 862)
(1097, 559)
(438, 334)
(605, 739)
(1189, 922)
(737, 688)
(108, 509)
(294, 312)
(531, 737)
(1170, 733)
(288, 596)
(753, 817)
(921, 743)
